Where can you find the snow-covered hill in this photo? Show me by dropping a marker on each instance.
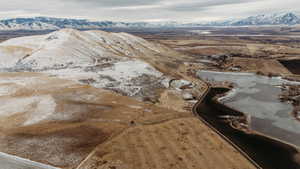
(101, 59)
(71, 48)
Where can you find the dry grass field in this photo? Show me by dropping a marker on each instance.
(74, 126)
(86, 127)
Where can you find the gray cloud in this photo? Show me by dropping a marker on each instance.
(115, 3)
(145, 10)
(194, 6)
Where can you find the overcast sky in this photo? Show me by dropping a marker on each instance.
(145, 10)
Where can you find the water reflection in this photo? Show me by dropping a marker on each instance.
(258, 96)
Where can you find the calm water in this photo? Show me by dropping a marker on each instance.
(258, 96)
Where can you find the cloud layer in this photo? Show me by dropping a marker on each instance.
(145, 10)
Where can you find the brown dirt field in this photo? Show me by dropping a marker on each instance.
(172, 99)
(83, 117)
(176, 144)
(250, 47)
(87, 121)
(91, 128)
(263, 65)
(65, 146)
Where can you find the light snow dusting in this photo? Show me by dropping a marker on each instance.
(98, 58)
(41, 107)
(62, 59)
(118, 76)
(130, 69)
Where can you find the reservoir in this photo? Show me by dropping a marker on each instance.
(258, 97)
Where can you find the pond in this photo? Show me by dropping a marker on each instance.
(258, 96)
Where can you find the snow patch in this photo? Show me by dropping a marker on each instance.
(6, 90)
(41, 107)
(130, 69)
(45, 107)
(119, 76)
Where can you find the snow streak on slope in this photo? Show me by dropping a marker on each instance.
(102, 59)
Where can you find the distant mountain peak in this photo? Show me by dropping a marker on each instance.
(49, 23)
(288, 18)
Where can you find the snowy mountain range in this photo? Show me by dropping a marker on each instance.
(273, 19)
(46, 23)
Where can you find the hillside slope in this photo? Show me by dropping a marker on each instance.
(64, 124)
(114, 61)
(55, 110)
(69, 47)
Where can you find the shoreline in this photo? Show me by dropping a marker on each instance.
(249, 144)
